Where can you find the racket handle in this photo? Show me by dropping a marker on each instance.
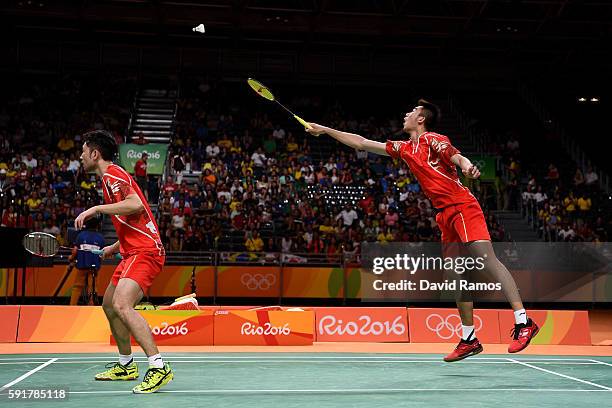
(100, 252)
(302, 121)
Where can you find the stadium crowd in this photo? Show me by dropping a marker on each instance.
(240, 181)
(253, 171)
(42, 185)
(562, 203)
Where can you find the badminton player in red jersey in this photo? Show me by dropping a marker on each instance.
(433, 160)
(143, 258)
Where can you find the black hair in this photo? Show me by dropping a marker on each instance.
(92, 223)
(102, 141)
(431, 113)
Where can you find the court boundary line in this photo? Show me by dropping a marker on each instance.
(601, 362)
(439, 361)
(26, 375)
(341, 390)
(560, 375)
(284, 357)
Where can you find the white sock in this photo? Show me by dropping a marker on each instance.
(520, 316)
(125, 359)
(468, 333)
(156, 361)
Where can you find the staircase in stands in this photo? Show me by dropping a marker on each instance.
(153, 116)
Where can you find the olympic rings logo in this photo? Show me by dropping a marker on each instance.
(479, 163)
(258, 281)
(446, 328)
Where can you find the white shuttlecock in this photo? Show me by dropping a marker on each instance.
(199, 29)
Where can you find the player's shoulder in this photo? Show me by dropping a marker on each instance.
(438, 137)
(117, 172)
(396, 145)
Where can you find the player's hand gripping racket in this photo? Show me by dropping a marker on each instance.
(46, 245)
(265, 92)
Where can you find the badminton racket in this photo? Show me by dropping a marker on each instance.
(46, 245)
(265, 92)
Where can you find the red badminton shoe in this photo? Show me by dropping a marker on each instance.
(464, 349)
(522, 335)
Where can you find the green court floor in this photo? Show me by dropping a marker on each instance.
(321, 380)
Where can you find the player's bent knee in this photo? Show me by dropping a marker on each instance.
(121, 307)
(108, 308)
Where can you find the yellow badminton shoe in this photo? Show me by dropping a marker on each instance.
(118, 372)
(154, 379)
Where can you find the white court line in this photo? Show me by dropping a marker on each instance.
(29, 373)
(602, 362)
(278, 357)
(373, 361)
(345, 391)
(561, 375)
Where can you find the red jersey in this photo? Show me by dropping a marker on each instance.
(140, 168)
(429, 159)
(136, 232)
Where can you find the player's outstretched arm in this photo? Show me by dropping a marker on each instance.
(131, 205)
(350, 139)
(466, 166)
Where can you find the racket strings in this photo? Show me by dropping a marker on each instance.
(41, 244)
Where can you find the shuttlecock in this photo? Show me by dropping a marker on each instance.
(199, 29)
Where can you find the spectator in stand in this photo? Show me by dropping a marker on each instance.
(212, 150)
(591, 178)
(553, 174)
(553, 223)
(65, 144)
(567, 233)
(513, 145)
(169, 186)
(278, 133)
(140, 171)
(348, 215)
(385, 235)
(259, 161)
(391, 218)
(540, 197)
(176, 241)
(578, 180)
(253, 242)
(178, 220)
(584, 204)
(140, 140)
(316, 244)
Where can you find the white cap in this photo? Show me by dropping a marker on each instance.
(199, 29)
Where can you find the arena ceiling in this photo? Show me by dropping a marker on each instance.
(539, 35)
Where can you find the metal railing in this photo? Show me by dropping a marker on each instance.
(259, 258)
(478, 137)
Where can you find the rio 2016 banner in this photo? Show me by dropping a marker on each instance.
(263, 328)
(179, 327)
(369, 324)
(129, 154)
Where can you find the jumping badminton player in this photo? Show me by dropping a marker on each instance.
(143, 258)
(432, 159)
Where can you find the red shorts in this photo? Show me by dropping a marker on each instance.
(141, 268)
(462, 223)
